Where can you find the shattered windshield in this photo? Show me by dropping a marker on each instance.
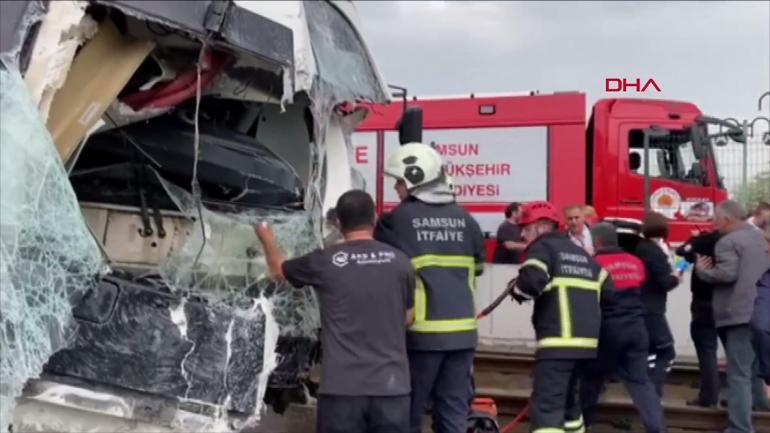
(227, 263)
(340, 55)
(48, 258)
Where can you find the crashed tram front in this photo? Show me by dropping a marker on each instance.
(141, 141)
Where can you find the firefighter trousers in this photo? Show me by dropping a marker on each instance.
(443, 377)
(554, 406)
(623, 351)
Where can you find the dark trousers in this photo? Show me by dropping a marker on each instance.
(759, 379)
(661, 355)
(704, 336)
(348, 414)
(623, 351)
(740, 359)
(762, 349)
(445, 379)
(554, 403)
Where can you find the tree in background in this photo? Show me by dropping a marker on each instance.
(758, 189)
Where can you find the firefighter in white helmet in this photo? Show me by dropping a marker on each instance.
(414, 165)
(446, 247)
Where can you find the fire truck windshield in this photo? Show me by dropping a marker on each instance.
(672, 155)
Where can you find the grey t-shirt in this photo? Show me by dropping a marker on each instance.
(364, 288)
(507, 232)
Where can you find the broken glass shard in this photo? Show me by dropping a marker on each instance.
(48, 258)
(223, 259)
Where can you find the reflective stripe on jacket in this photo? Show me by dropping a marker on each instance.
(567, 284)
(446, 247)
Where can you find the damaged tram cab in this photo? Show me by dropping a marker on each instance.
(155, 135)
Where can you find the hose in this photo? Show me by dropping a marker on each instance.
(496, 303)
(508, 428)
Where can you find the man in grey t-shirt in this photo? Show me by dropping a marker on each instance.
(366, 292)
(510, 245)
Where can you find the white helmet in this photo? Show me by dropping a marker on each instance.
(449, 182)
(416, 163)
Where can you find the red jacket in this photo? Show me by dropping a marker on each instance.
(628, 274)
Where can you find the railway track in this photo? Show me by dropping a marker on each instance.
(506, 378)
(618, 414)
(684, 373)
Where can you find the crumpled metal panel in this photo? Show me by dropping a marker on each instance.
(232, 24)
(211, 330)
(223, 261)
(243, 28)
(47, 255)
(138, 335)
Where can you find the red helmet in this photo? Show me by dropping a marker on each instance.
(537, 210)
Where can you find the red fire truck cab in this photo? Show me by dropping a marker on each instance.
(521, 148)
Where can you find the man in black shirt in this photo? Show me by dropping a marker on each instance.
(509, 241)
(366, 293)
(702, 328)
(659, 280)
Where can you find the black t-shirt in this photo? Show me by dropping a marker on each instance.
(364, 288)
(507, 232)
(702, 292)
(658, 278)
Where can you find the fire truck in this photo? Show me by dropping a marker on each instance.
(631, 154)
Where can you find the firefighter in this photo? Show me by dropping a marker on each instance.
(446, 247)
(565, 283)
(624, 342)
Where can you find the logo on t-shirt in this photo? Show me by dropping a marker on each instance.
(340, 259)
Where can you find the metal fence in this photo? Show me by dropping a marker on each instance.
(745, 170)
(745, 167)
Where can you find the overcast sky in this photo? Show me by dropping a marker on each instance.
(714, 54)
